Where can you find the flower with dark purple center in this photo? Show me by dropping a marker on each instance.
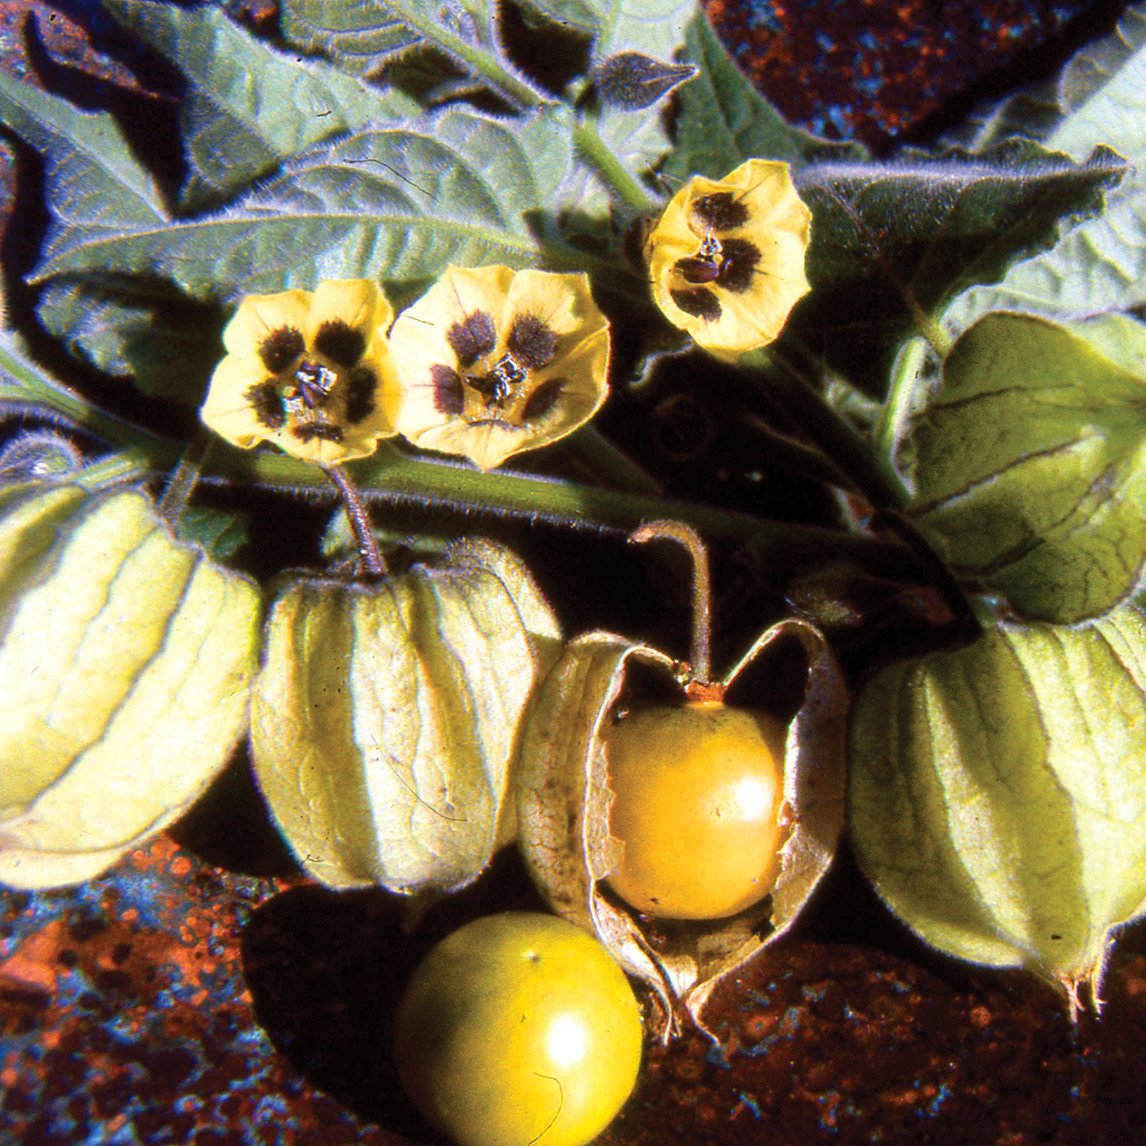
(308, 371)
(495, 361)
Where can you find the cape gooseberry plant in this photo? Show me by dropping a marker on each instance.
(557, 263)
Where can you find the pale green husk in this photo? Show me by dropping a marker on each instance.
(998, 793)
(125, 665)
(384, 719)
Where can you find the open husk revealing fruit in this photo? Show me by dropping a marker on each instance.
(386, 713)
(568, 799)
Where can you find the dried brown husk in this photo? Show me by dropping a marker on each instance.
(564, 800)
(385, 718)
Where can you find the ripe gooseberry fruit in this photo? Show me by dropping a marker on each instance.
(697, 797)
(698, 788)
(519, 1028)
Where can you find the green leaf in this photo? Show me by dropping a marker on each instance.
(26, 388)
(1090, 101)
(635, 140)
(136, 328)
(579, 15)
(1030, 470)
(248, 105)
(724, 120)
(360, 38)
(1101, 265)
(893, 243)
(95, 185)
(393, 203)
(219, 533)
(998, 793)
(363, 38)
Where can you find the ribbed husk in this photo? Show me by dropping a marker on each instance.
(385, 717)
(125, 663)
(998, 794)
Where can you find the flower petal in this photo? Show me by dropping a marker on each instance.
(360, 303)
(260, 315)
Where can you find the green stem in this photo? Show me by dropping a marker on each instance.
(132, 465)
(892, 424)
(516, 90)
(395, 478)
(700, 654)
(607, 465)
(182, 482)
(611, 170)
(927, 327)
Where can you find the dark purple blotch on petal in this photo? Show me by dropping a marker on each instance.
(360, 386)
(738, 265)
(264, 399)
(472, 338)
(449, 396)
(311, 431)
(699, 303)
(720, 211)
(340, 343)
(532, 342)
(280, 348)
(543, 399)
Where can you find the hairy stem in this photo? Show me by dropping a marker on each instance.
(371, 564)
(611, 170)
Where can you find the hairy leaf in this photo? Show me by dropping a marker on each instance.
(364, 38)
(892, 243)
(359, 37)
(580, 15)
(136, 328)
(1029, 468)
(1101, 265)
(248, 105)
(1055, 110)
(393, 203)
(95, 184)
(724, 120)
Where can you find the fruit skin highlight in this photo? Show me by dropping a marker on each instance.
(519, 1028)
(698, 792)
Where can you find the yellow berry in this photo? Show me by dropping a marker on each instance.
(519, 1028)
(698, 790)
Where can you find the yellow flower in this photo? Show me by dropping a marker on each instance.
(495, 361)
(726, 257)
(310, 372)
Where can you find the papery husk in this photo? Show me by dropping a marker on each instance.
(385, 717)
(125, 662)
(998, 794)
(563, 812)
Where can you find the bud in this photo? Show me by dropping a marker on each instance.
(632, 81)
(998, 794)
(385, 717)
(125, 663)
